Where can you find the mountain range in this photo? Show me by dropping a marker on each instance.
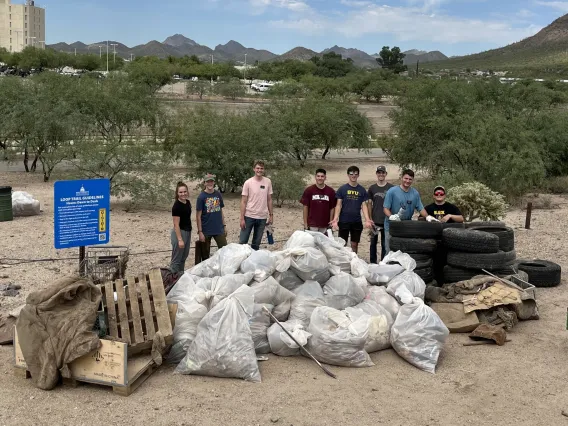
(179, 45)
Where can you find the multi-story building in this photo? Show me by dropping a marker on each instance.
(21, 25)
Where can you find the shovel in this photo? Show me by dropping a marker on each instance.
(329, 373)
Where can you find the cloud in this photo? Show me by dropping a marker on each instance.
(558, 5)
(355, 3)
(292, 5)
(411, 24)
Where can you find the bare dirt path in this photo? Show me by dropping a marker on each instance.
(521, 383)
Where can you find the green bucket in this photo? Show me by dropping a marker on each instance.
(6, 204)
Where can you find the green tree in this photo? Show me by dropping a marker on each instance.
(377, 90)
(231, 89)
(199, 87)
(332, 65)
(150, 72)
(392, 59)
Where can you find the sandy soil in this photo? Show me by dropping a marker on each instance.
(522, 383)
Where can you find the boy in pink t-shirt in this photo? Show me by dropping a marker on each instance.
(256, 206)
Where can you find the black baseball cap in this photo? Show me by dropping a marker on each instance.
(381, 169)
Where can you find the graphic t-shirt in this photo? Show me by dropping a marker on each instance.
(396, 199)
(319, 203)
(183, 211)
(439, 211)
(257, 192)
(210, 206)
(352, 198)
(377, 196)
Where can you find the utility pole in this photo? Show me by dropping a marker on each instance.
(114, 54)
(100, 51)
(131, 57)
(417, 63)
(75, 51)
(211, 70)
(245, 73)
(107, 56)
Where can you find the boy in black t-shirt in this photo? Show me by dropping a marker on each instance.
(443, 211)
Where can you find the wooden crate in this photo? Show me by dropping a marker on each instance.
(139, 312)
(109, 365)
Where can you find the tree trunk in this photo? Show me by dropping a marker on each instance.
(34, 164)
(325, 152)
(26, 159)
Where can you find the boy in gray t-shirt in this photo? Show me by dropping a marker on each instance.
(377, 193)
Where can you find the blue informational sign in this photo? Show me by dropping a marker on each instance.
(82, 212)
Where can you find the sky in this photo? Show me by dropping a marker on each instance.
(455, 27)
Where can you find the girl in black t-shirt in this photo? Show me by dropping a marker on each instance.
(181, 234)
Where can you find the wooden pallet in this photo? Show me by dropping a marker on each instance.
(108, 366)
(140, 311)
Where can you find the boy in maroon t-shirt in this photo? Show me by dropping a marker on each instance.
(319, 204)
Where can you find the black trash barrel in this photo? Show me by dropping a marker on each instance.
(6, 204)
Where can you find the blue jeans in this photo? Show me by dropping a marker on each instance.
(258, 226)
(374, 242)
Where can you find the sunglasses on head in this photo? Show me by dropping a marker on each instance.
(438, 193)
(353, 174)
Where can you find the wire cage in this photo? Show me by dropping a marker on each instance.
(106, 263)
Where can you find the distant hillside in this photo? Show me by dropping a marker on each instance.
(360, 58)
(300, 53)
(423, 57)
(237, 51)
(546, 48)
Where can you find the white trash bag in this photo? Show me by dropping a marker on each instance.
(300, 239)
(231, 256)
(341, 291)
(259, 323)
(411, 281)
(380, 296)
(308, 297)
(191, 308)
(307, 262)
(288, 279)
(269, 291)
(382, 274)
(337, 340)
(379, 326)
(223, 346)
(281, 344)
(208, 268)
(418, 335)
(24, 204)
(335, 251)
(359, 268)
(261, 263)
(404, 259)
(218, 288)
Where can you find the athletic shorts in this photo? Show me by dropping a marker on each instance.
(353, 229)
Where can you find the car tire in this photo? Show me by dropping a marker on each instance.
(485, 224)
(506, 235)
(424, 263)
(488, 261)
(427, 274)
(453, 275)
(412, 245)
(415, 229)
(470, 241)
(542, 273)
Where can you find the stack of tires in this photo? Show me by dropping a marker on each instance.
(422, 241)
(486, 246)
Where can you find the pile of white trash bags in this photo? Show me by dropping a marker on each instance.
(333, 303)
(24, 204)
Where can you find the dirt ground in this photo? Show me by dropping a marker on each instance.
(521, 383)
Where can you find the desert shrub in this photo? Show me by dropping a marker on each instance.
(477, 201)
(556, 185)
(288, 185)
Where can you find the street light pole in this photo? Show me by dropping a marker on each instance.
(100, 51)
(114, 53)
(211, 70)
(107, 56)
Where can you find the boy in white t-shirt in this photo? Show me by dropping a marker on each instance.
(256, 206)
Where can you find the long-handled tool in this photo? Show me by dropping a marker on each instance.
(329, 373)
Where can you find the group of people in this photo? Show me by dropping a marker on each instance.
(349, 210)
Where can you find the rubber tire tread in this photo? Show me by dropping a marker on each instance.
(546, 274)
(415, 229)
(453, 275)
(420, 257)
(413, 245)
(424, 263)
(487, 261)
(470, 241)
(427, 274)
(486, 224)
(506, 236)
(454, 225)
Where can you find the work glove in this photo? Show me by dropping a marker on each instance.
(431, 219)
(394, 218)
